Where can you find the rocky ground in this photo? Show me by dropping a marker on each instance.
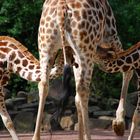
(23, 109)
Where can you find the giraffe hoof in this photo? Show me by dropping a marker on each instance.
(118, 127)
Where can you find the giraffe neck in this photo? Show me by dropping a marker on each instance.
(15, 58)
(124, 62)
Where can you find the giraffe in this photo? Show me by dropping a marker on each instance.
(82, 25)
(15, 58)
(123, 62)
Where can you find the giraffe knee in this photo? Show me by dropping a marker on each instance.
(83, 91)
(9, 125)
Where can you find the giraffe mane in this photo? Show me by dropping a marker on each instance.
(126, 52)
(21, 47)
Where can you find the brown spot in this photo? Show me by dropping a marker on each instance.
(73, 23)
(4, 80)
(97, 5)
(77, 15)
(136, 65)
(31, 67)
(29, 77)
(13, 46)
(17, 61)
(20, 55)
(48, 18)
(119, 62)
(51, 24)
(51, 11)
(128, 60)
(135, 56)
(12, 57)
(37, 71)
(75, 32)
(49, 31)
(2, 56)
(24, 62)
(78, 5)
(42, 38)
(38, 78)
(108, 22)
(84, 14)
(18, 69)
(125, 68)
(100, 15)
(116, 69)
(3, 43)
(83, 34)
(86, 40)
(109, 12)
(42, 22)
(5, 50)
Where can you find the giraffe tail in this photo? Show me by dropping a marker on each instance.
(66, 76)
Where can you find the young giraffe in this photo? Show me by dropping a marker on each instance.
(123, 62)
(15, 58)
(82, 25)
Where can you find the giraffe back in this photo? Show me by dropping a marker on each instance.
(21, 48)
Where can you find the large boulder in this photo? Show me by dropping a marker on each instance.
(24, 122)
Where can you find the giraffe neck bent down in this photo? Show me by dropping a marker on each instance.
(15, 58)
(125, 61)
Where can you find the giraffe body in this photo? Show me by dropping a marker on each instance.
(82, 25)
(124, 62)
(15, 58)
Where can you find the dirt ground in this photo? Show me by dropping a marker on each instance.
(72, 135)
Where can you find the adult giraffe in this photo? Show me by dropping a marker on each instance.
(82, 25)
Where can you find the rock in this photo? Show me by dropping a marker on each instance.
(28, 105)
(46, 125)
(67, 112)
(22, 94)
(129, 108)
(103, 113)
(92, 109)
(32, 97)
(19, 101)
(67, 123)
(7, 93)
(133, 98)
(24, 122)
(103, 122)
(9, 104)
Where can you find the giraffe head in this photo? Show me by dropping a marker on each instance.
(104, 52)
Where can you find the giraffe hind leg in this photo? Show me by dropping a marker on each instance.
(118, 124)
(136, 116)
(6, 118)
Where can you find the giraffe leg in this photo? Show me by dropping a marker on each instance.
(135, 121)
(43, 85)
(118, 124)
(81, 99)
(136, 116)
(6, 118)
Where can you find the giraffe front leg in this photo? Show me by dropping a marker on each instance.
(43, 86)
(81, 99)
(6, 118)
(118, 124)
